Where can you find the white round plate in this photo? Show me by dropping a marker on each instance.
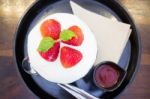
(54, 71)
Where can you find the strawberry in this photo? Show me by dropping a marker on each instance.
(52, 54)
(78, 39)
(69, 57)
(51, 28)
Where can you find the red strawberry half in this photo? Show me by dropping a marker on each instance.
(52, 54)
(75, 41)
(70, 57)
(51, 28)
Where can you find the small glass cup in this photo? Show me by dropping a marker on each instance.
(116, 67)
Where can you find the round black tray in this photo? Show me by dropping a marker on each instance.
(108, 8)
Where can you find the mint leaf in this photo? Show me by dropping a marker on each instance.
(66, 35)
(45, 44)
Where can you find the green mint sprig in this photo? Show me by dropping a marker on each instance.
(45, 44)
(66, 35)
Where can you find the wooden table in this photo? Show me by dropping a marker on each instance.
(11, 85)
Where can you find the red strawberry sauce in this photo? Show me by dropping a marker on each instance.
(106, 76)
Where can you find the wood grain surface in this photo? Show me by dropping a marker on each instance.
(11, 84)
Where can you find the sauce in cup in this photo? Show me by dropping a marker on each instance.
(108, 75)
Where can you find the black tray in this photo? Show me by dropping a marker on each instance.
(108, 8)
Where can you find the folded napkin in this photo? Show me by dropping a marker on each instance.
(111, 35)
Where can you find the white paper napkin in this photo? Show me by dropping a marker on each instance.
(112, 35)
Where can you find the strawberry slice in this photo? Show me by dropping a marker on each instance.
(51, 28)
(75, 41)
(52, 54)
(70, 57)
